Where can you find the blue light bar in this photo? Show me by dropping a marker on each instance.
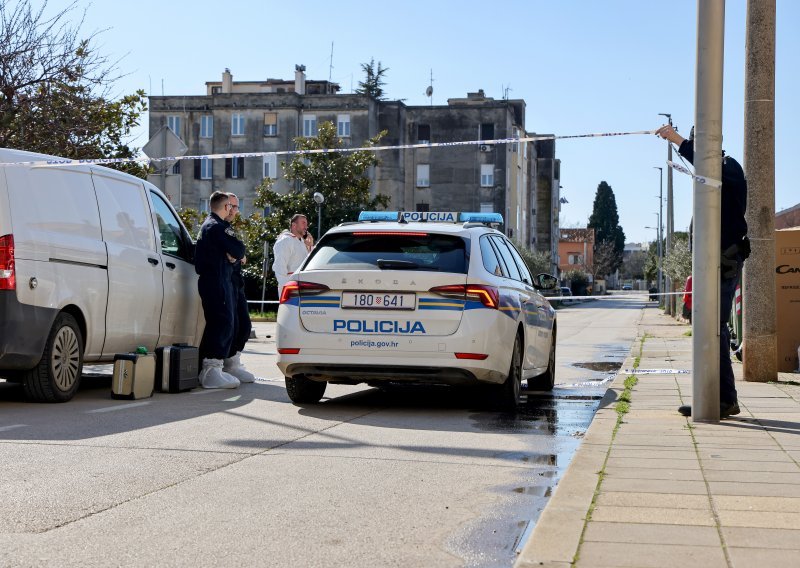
(481, 218)
(378, 216)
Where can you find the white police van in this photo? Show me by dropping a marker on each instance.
(93, 262)
(436, 297)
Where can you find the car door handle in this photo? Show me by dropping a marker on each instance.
(153, 261)
(170, 265)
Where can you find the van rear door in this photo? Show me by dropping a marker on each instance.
(135, 292)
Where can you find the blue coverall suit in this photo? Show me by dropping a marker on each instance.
(215, 285)
(733, 204)
(242, 325)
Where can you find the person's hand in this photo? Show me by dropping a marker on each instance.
(230, 258)
(668, 133)
(244, 260)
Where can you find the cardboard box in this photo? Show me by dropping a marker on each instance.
(787, 297)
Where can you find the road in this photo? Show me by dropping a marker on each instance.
(403, 477)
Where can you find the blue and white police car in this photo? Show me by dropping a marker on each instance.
(435, 297)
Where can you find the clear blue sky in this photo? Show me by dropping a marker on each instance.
(582, 66)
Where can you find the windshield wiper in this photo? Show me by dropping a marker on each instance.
(399, 264)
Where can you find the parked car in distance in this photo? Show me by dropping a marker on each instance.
(566, 293)
(627, 287)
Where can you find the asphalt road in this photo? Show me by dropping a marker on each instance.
(402, 477)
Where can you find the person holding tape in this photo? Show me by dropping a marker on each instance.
(735, 249)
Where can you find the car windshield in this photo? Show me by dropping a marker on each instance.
(376, 250)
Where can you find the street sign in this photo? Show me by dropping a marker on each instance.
(164, 143)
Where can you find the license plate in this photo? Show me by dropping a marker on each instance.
(379, 301)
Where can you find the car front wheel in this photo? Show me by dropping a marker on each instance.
(302, 390)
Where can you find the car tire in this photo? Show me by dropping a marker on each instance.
(547, 380)
(57, 376)
(509, 392)
(303, 390)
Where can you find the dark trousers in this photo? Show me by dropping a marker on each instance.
(727, 385)
(218, 309)
(242, 325)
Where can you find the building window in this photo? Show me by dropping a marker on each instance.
(515, 134)
(574, 259)
(271, 166)
(174, 123)
(423, 134)
(487, 175)
(309, 125)
(423, 175)
(237, 124)
(422, 207)
(487, 207)
(216, 90)
(204, 205)
(343, 126)
(203, 169)
(234, 168)
(176, 169)
(487, 131)
(207, 126)
(270, 124)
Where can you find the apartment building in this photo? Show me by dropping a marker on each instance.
(519, 180)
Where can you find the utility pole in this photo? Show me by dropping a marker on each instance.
(706, 254)
(671, 300)
(759, 318)
(661, 288)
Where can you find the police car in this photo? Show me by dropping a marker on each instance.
(436, 297)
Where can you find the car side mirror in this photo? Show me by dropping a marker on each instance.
(545, 281)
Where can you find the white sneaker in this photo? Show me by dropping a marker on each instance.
(213, 377)
(233, 366)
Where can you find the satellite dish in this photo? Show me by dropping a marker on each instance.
(429, 91)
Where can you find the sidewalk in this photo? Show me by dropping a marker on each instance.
(664, 491)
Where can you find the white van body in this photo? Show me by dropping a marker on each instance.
(93, 262)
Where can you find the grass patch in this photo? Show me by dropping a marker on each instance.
(688, 333)
(269, 316)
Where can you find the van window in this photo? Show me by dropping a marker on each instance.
(124, 212)
(174, 241)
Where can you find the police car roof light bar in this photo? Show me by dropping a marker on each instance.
(430, 217)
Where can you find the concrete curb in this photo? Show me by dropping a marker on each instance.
(557, 535)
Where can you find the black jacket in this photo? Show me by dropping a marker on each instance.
(733, 197)
(210, 260)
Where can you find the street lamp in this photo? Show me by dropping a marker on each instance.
(319, 199)
(660, 224)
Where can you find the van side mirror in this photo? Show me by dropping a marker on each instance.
(545, 281)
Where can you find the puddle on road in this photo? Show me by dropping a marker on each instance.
(600, 366)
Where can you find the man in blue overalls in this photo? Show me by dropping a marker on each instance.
(217, 251)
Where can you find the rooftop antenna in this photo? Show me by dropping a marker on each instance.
(429, 90)
(330, 71)
(505, 92)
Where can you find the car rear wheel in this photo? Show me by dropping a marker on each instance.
(57, 376)
(509, 392)
(547, 380)
(303, 390)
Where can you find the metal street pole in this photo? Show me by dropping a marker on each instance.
(662, 299)
(706, 256)
(760, 316)
(671, 300)
(658, 253)
(264, 273)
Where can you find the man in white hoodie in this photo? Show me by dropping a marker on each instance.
(290, 250)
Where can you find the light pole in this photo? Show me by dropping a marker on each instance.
(670, 219)
(319, 199)
(658, 253)
(660, 225)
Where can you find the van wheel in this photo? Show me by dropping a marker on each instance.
(302, 390)
(507, 394)
(547, 380)
(58, 374)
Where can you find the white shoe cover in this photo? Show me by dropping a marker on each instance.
(233, 366)
(213, 377)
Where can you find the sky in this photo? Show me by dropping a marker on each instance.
(582, 66)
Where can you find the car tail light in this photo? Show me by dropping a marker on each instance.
(8, 276)
(475, 356)
(486, 295)
(289, 350)
(293, 289)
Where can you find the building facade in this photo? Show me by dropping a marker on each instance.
(519, 180)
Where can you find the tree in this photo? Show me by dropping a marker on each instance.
(604, 260)
(578, 281)
(373, 82)
(54, 89)
(633, 266)
(605, 220)
(678, 263)
(536, 261)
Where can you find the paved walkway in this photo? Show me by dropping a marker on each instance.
(660, 490)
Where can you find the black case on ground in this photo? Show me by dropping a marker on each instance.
(177, 368)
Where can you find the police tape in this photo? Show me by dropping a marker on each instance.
(700, 179)
(655, 371)
(230, 155)
(644, 295)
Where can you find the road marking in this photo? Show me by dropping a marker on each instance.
(233, 398)
(119, 407)
(11, 427)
